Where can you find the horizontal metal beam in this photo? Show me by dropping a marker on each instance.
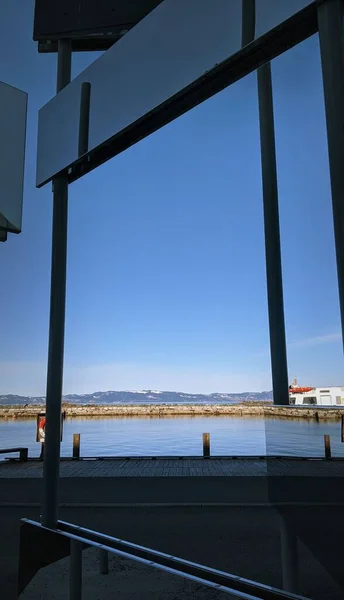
(238, 587)
(88, 44)
(267, 47)
(87, 29)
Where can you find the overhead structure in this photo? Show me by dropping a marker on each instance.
(88, 24)
(159, 70)
(172, 56)
(13, 111)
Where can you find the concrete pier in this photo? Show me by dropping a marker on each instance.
(167, 410)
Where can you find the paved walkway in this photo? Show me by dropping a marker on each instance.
(172, 467)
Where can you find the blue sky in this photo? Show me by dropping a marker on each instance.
(166, 275)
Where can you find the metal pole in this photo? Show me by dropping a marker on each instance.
(51, 465)
(331, 32)
(103, 562)
(289, 554)
(278, 349)
(75, 570)
(248, 22)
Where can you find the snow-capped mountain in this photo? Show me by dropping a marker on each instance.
(143, 397)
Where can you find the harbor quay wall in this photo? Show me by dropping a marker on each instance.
(168, 410)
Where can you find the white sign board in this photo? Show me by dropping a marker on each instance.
(172, 47)
(13, 110)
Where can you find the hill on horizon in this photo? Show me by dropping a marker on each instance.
(142, 397)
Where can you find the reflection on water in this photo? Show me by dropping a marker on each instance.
(182, 435)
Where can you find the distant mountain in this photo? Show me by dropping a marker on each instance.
(143, 397)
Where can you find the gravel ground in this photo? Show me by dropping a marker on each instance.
(125, 580)
(243, 541)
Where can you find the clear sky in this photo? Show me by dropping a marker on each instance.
(166, 276)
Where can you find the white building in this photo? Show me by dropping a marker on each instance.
(324, 396)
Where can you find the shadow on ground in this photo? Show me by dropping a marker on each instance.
(243, 541)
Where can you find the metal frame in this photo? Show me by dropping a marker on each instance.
(89, 39)
(99, 43)
(273, 262)
(238, 588)
(251, 57)
(270, 45)
(331, 35)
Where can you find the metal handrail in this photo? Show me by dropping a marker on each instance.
(238, 588)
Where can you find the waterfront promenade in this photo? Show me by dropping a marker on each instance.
(178, 467)
(190, 480)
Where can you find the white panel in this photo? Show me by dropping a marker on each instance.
(270, 13)
(172, 47)
(13, 108)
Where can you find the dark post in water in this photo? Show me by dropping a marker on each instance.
(76, 445)
(327, 443)
(206, 445)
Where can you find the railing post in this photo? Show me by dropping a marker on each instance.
(76, 445)
(289, 555)
(75, 570)
(206, 445)
(103, 562)
(327, 443)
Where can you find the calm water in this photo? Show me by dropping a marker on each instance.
(181, 436)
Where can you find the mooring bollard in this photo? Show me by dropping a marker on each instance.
(342, 430)
(327, 442)
(103, 562)
(76, 445)
(206, 445)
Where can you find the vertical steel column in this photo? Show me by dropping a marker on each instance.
(331, 32)
(278, 348)
(289, 555)
(248, 21)
(51, 466)
(75, 570)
